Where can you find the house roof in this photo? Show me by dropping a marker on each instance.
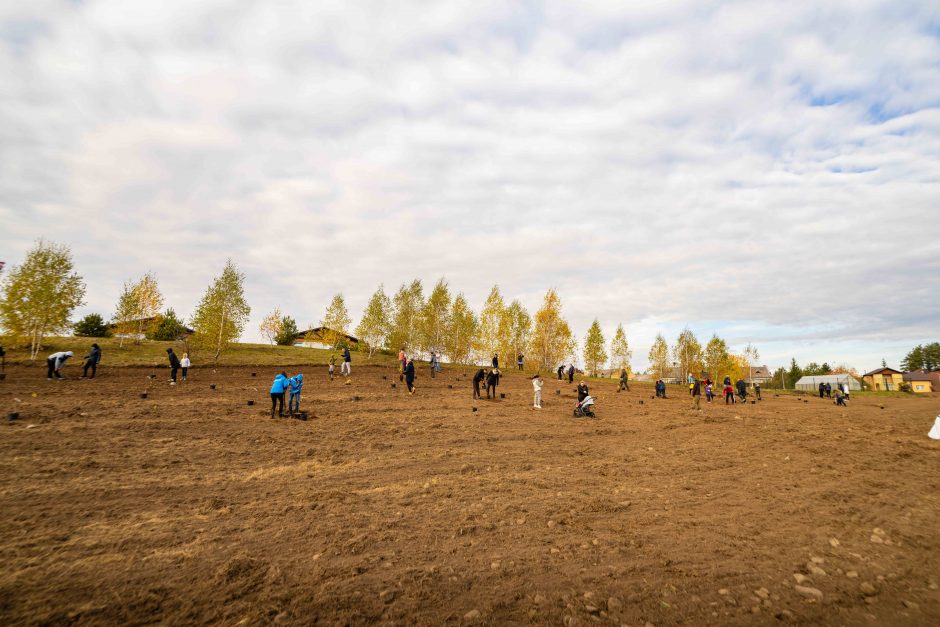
(761, 371)
(882, 371)
(917, 376)
(319, 331)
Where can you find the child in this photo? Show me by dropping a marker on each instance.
(184, 364)
(729, 392)
(332, 365)
(709, 395)
(296, 385)
(278, 388)
(537, 388)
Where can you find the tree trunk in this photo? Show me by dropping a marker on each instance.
(218, 346)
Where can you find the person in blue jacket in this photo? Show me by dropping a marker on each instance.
(92, 359)
(280, 385)
(296, 385)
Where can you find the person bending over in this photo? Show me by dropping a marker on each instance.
(477, 381)
(280, 385)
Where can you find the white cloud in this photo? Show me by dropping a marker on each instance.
(768, 170)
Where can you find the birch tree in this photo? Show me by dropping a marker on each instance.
(406, 304)
(659, 356)
(492, 325)
(434, 318)
(688, 353)
(551, 335)
(222, 313)
(336, 321)
(461, 331)
(620, 352)
(518, 329)
(717, 359)
(271, 326)
(40, 295)
(374, 326)
(594, 354)
(750, 357)
(137, 308)
(126, 312)
(149, 302)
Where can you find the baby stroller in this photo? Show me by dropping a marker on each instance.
(585, 409)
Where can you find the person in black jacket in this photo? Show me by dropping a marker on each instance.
(561, 372)
(477, 380)
(410, 376)
(91, 361)
(174, 365)
(492, 380)
(582, 391)
(496, 361)
(742, 389)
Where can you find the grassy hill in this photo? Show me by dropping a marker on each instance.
(149, 353)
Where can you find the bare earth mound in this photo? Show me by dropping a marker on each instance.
(189, 506)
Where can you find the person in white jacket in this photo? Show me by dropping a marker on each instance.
(537, 388)
(184, 364)
(54, 364)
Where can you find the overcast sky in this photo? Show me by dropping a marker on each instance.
(766, 171)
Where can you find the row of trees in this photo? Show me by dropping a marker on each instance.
(922, 357)
(445, 323)
(40, 295)
(689, 357)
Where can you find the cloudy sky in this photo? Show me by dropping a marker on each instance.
(767, 171)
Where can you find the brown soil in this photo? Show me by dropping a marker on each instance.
(192, 507)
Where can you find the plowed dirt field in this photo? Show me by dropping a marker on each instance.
(190, 506)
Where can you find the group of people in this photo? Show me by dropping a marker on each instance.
(55, 361)
(406, 370)
(491, 378)
(345, 369)
(177, 364)
(562, 372)
(705, 387)
(842, 389)
(842, 392)
(281, 386)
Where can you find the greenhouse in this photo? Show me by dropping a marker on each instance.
(810, 383)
